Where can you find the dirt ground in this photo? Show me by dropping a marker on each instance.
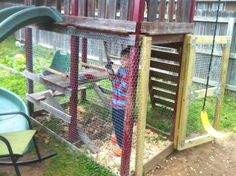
(212, 159)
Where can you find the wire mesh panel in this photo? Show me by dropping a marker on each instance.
(197, 69)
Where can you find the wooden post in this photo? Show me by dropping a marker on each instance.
(223, 77)
(84, 47)
(138, 16)
(29, 60)
(142, 114)
(188, 59)
(74, 79)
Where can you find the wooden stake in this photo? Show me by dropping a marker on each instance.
(142, 115)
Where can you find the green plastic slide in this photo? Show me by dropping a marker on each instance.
(14, 18)
(10, 102)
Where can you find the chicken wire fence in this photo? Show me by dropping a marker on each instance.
(99, 119)
(196, 90)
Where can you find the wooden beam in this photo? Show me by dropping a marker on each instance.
(152, 163)
(165, 55)
(164, 102)
(195, 141)
(167, 39)
(163, 85)
(164, 76)
(152, 10)
(182, 112)
(167, 95)
(165, 66)
(99, 24)
(162, 28)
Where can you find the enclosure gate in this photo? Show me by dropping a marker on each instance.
(188, 60)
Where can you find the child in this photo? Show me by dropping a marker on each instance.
(119, 83)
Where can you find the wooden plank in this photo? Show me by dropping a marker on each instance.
(163, 85)
(67, 4)
(153, 162)
(223, 79)
(59, 114)
(91, 8)
(105, 90)
(165, 55)
(143, 103)
(83, 64)
(167, 39)
(162, 10)
(164, 102)
(52, 101)
(201, 93)
(152, 28)
(124, 8)
(101, 8)
(171, 10)
(99, 24)
(100, 94)
(82, 7)
(156, 130)
(160, 93)
(111, 9)
(152, 6)
(40, 95)
(165, 66)
(204, 40)
(179, 11)
(164, 76)
(195, 141)
(188, 52)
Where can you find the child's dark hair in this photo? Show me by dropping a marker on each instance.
(125, 52)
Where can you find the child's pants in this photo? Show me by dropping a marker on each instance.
(118, 123)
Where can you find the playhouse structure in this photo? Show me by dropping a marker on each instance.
(159, 51)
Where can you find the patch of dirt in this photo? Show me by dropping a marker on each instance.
(212, 159)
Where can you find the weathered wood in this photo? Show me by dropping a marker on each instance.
(152, 6)
(91, 8)
(179, 11)
(167, 95)
(59, 114)
(164, 76)
(82, 8)
(94, 24)
(49, 97)
(101, 8)
(171, 10)
(124, 8)
(152, 28)
(164, 102)
(165, 66)
(63, 75)
(38, 96)
(111, 9)
(105, 90)
(100, 94)
(67, 4)
(164, 85)
(165, 55)
(167, 39)
(162, 10)
(201, 93)
(152, 163)
(158, 130)
(87, 65)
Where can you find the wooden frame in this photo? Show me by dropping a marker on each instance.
(180, 141)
